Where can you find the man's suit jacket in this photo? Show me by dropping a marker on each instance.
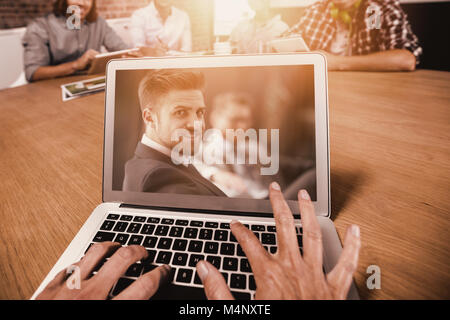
(152, 171)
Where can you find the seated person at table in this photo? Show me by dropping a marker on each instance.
(251, 36)
(52, 49)
(161, 28)
(234, 110)
(366, 35)
(169, 100)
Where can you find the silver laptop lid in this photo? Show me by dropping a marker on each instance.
(210, 133)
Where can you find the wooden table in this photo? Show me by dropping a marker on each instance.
(390, 174)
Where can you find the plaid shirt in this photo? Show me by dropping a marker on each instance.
(318, 28)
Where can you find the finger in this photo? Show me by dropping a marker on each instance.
(342, 275)
(213, 282)
(96, 254)
(312, 235)
(50, 290)
(146, 285)
(116, 266)
(251, 246)
(284, 220)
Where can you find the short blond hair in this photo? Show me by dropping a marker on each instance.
(157, 83)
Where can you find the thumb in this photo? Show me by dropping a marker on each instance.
(213, 282)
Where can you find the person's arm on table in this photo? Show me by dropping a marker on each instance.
(390, 60)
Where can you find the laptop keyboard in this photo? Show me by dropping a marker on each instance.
(181, 243)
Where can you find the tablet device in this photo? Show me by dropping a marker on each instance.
(290, 44)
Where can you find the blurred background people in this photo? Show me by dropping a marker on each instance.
(53, 49)
(161, 28)
(252, 35)
(369, 35)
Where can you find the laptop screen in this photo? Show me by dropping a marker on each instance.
(215, 134)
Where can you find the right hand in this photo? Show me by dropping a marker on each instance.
(287, 274)
(82, 62)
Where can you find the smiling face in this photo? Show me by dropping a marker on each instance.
(178, 109)
(84, 5)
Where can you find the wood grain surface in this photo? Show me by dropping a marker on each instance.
(390, 174)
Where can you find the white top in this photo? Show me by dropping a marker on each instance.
(155, 145)
(147, 26)
(341, 41)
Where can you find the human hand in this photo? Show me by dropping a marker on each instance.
(98, 286)
(286, 274)
(82, 62)
(230, 181)
(334, 62)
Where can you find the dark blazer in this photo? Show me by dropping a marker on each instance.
(152, 171)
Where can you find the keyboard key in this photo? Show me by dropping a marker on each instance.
(134, 228)
(153, 220)
(139, 219)
(271, 229)
(184, 275)
(232, 237)
(240, 252)
(135, 240)
(299, 241)
(257, 234)
(122, 238)
(148, 267)
(268, 238)
(211, 224)
(230, 264)
(121, 226)
(211, 247)
(164, 243)
(150, 242)
(121, 285)
(176, 232)
(273, 250)
(241, 295)
(179, 244)
(181, 222)
(205, 234)
(126, 217)
(238, 281)
(134, 270)
(148, 229)
(245, 266)
(225, 276)
(224, 225)
(258, 227)
(112, 216)
(300, 229)
(107, 225)
(195, 246)
(180, 259)
(214, 260)
(150, 258)
(164, 257)
(197, 279)
(90, 245)
(251, 282)
(161, 230)
(195, 258)
(190, 233)
(221, 235)
(104, 236)
(195, 223)
(227, 249)
(167, 221)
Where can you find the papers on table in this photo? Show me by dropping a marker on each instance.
(82, 88)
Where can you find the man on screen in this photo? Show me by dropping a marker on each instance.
(169, 100)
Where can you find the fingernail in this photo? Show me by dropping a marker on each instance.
(355, 230)
(275, 186)
(304, 195)
(202, 270)
(233, 222)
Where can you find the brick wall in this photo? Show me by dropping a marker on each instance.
(17, 13)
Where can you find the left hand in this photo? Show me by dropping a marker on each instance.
(333, 61)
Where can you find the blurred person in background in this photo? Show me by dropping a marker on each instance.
(161, 29)
(252, 35)
(54, 48)
(366, 35)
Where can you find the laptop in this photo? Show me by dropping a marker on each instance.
(261, 118)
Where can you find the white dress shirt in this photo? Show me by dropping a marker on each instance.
(147, 29)
(155, 145)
